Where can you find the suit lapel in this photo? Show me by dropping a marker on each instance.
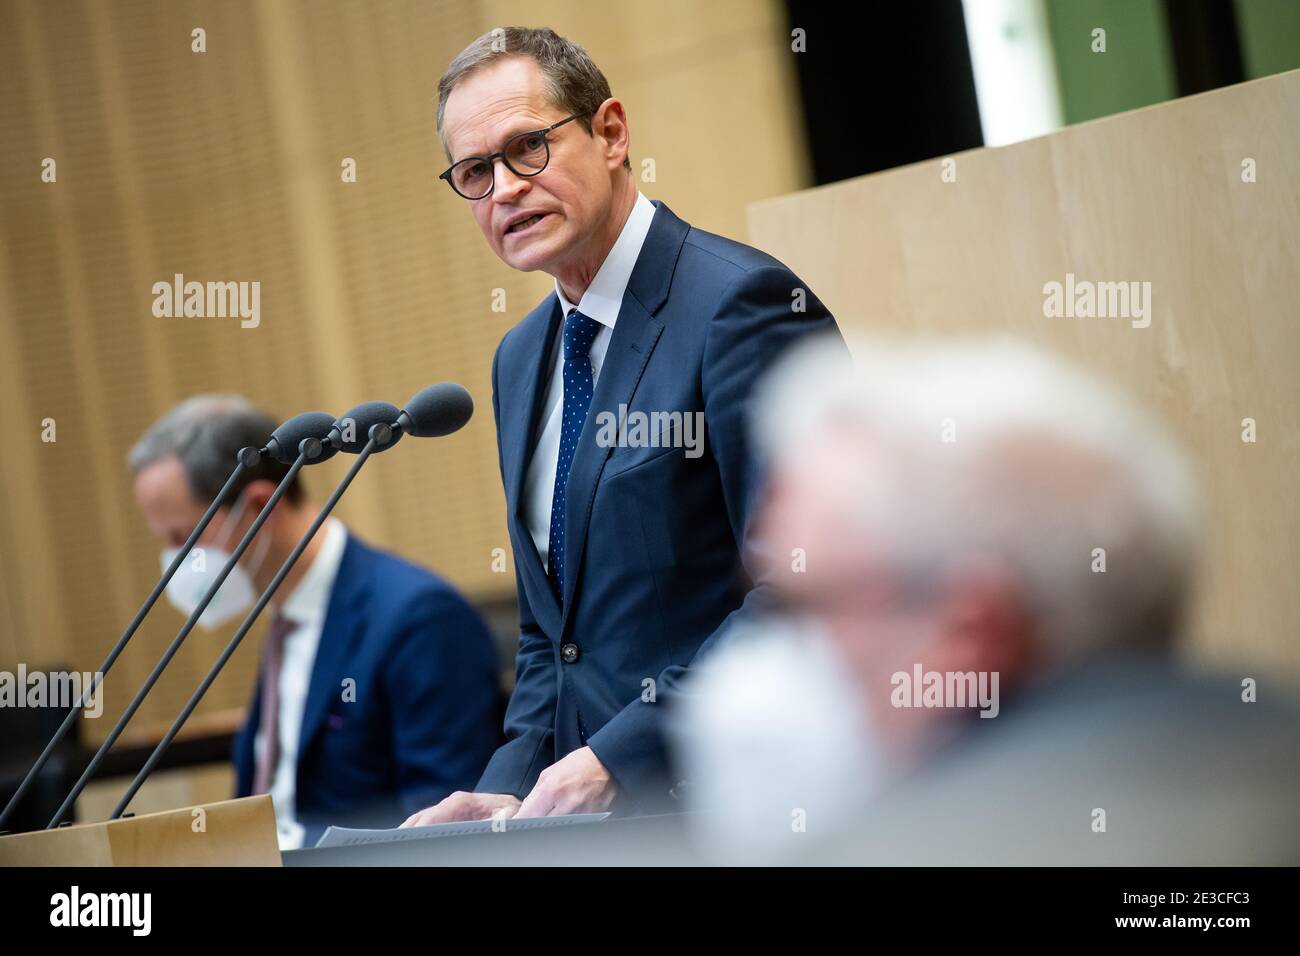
(634, 338)
(635, 334)
(519, 423)
(344, 624)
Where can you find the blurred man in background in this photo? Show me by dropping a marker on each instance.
(377, 689)
(985, 558)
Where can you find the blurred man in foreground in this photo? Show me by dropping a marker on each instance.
(985, 558)
(378, 680)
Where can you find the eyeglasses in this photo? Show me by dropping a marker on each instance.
(525, 154)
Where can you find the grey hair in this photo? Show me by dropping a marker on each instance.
(996, 449)
(205, 433)
(574, 84)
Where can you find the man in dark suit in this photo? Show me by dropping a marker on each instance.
(377, 690)
(620, 404)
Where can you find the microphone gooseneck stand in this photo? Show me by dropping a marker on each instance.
(433, 412)
(248, 458)
(381, 436)
(307, 448)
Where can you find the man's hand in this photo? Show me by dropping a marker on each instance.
(461, 806)
(579, 783)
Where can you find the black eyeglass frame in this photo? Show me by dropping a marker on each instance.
(491, 158)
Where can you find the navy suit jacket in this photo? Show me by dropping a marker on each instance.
(426, 707)
(653, 573)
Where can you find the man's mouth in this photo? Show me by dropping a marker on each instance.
(525, 224)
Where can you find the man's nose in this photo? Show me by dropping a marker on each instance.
(506, 184)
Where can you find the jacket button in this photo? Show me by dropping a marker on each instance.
(569, 653)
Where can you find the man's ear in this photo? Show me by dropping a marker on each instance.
(985, 623)
(610, 123)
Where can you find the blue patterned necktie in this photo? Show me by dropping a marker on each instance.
(579, 332)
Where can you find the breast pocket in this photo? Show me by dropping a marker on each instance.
(644, 500)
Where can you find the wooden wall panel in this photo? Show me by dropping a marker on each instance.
(225, 166)
(1153, 195)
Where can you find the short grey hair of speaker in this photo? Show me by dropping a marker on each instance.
(574, 83)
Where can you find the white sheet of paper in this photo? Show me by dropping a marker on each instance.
(344, 836)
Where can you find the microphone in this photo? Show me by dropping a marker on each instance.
(284, 444)
(289, 435)
(445, 412)
(436, 411)
(308, 429)
(362, 420)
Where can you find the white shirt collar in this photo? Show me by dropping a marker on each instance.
(604, 297)
(311, 597)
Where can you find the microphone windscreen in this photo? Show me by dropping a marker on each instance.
(284, 441)
(355, 425)
(439, 410)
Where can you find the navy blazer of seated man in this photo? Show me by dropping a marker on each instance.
(421, 719)
(652, 549)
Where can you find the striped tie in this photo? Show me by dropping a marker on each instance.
(273, 656)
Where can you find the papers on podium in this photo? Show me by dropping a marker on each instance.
(343, 836)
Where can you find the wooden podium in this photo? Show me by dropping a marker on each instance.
(229, 833)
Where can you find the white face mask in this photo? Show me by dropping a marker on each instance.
(200, 570)
(774, 725)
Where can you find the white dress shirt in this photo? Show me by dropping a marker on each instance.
(601, 301)
(306, 607)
